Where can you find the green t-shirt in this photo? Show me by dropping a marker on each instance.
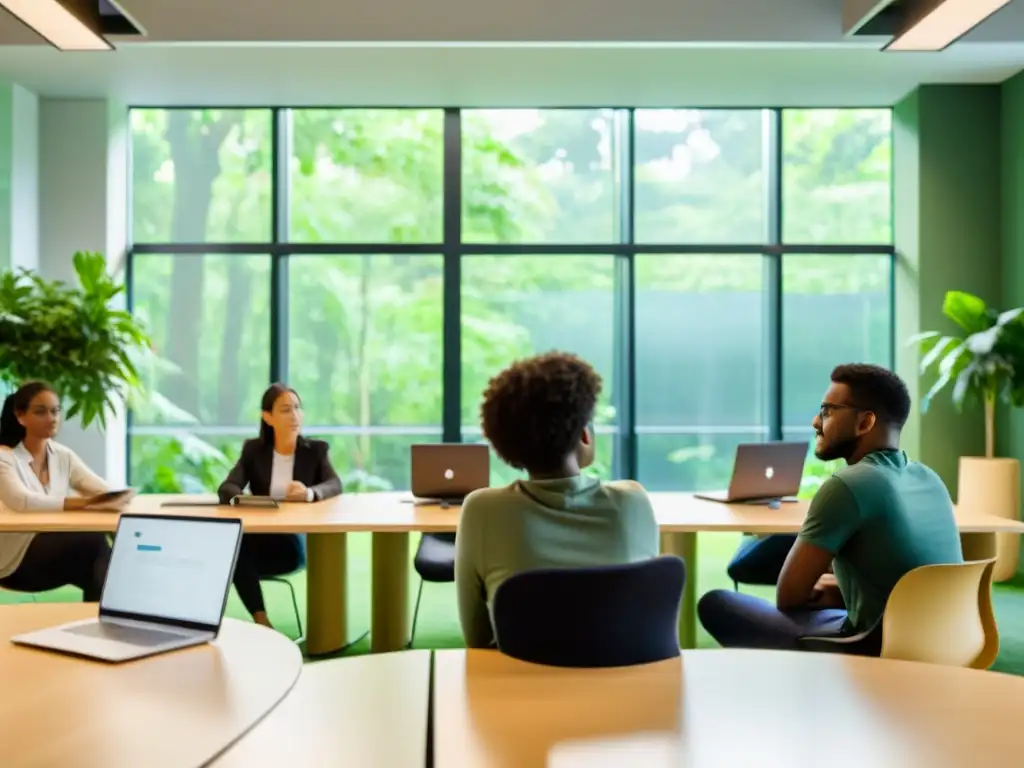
(572, 523)
(880, 518)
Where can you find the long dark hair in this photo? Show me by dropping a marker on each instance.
(267, 406)
(11, 431)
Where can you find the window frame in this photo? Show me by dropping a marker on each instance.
(625, 250)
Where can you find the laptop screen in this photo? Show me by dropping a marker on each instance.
(177, 569)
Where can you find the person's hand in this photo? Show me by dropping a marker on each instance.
(296, 491)
(826, 593)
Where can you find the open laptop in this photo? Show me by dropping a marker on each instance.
(166, 588)
(449, 471)
(764, 472)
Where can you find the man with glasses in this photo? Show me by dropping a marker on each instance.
(874, 520)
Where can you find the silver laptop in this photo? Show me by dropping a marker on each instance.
(449, 471)
(764, 472)
(166, 588)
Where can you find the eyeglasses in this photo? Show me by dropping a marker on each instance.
(827, 409)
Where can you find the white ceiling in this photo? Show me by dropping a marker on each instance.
(648, 53)
(268, 21)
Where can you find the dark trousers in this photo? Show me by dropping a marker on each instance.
(736, 620)
(759, 561)
(56, 559)
(263, 555)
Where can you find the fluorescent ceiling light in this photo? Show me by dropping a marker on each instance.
(71, 25)
(934, 24)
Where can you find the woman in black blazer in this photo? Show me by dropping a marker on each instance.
(281, 464)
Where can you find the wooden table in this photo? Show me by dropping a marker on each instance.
(367, 711)
(722, 709)
(391, 517)
(176, 709)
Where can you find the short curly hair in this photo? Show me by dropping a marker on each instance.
(534, 411)
(876, 389)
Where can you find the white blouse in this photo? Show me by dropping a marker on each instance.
(282, 473)
(21, 491)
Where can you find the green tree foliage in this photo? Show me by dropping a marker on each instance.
(364, 344)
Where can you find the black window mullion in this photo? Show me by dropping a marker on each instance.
(280, 142)
(624, 322)
(773, 273)
(451, 386)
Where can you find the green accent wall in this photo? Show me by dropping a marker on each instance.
(1010, 440)
(948, 218)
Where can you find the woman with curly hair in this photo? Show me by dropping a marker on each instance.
(538, 416)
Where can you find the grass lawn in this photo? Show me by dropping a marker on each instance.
(438, 624)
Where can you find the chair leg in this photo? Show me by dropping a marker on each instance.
(295, 601)
(415, 614)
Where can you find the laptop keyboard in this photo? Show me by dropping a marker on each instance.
(124, 634)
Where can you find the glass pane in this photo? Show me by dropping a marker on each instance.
(702, 369)
(837, 176)
(700, 176)
(850, 301)
(699, 460)
(371, 462)
(365, 351)
(538, 176)
(367, 175)
(209, 319)
(183, 460)
(517, 306)
(201, 175)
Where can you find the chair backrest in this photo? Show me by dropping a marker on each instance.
(610, 616)
(942, 614)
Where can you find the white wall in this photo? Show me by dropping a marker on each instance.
(83, 182)
(25, 179)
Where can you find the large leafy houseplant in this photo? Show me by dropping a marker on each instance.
(983, 364)
(70, 336)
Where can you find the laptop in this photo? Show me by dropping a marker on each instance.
(166, 588)
(449, 471)
(764, 472)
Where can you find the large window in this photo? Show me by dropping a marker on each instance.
(713, 265)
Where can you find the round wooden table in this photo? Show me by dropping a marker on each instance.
(178, 709)
(724, 709)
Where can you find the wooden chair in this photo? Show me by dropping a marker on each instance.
(939, 614)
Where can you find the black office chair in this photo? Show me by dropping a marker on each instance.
(612, 616)
(866, 643)
(434, 562)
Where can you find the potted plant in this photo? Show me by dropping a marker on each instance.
(70, 336)
(983, 364)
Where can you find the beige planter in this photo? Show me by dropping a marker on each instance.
(992, 486)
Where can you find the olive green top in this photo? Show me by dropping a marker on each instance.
(570, 523)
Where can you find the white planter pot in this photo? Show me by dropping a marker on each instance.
(992, 486)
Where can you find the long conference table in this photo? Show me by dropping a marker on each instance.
(246, 701)
(391, 517)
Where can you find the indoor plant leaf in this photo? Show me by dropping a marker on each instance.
(966, 310)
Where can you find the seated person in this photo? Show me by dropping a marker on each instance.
(537, 416)
(37, 473)
(873, 521)
(282, 464)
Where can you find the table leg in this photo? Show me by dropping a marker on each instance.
(389, 623)
(978, 546)
(327, 593)
(684, 545)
